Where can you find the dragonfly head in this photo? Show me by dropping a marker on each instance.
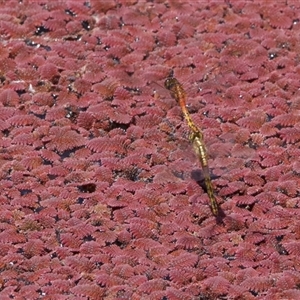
(170, 83)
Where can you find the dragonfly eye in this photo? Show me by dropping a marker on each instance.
(168, 83)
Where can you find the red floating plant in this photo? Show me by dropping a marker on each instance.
(64, 138)
(94, 167)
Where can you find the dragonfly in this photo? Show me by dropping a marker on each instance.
(196, 137)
